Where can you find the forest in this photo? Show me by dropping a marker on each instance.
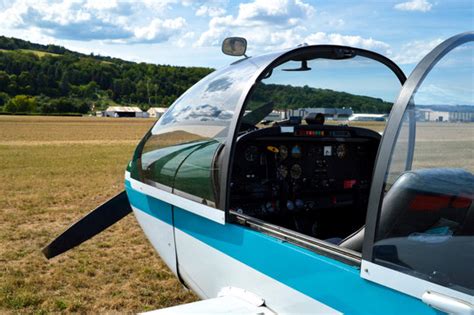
(50, 79)
(293, 97)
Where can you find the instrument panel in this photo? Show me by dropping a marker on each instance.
(319, 165)
(277, 175)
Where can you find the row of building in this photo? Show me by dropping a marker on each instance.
(276, 115)
(426, 114)
(157, 112)
(131, 111)
(329, 113)
(444, 116)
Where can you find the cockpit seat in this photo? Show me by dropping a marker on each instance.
(423, 200)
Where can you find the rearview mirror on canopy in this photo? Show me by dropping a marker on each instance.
(234, 46)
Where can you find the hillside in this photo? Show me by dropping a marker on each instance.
(49, 79)
(54, 79)
(293, 97)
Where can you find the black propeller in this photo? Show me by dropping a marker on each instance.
(93, 223)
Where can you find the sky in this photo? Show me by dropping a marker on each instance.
(189, 33)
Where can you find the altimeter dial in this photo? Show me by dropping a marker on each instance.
(341, 151)
(296, 171)
(282, 171)
(251, 154)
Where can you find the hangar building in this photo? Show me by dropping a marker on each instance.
(156, 111)
(125, 111)
(329, 113)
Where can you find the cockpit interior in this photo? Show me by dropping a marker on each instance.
(311, 178)
(302, 173)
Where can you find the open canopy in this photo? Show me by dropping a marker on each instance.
(212, 110)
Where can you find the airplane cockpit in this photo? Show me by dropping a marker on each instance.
(303, 165)
(305, 178)
(311, 178)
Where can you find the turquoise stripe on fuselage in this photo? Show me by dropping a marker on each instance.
(327, 280)
(147, 204)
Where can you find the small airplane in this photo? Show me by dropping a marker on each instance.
(303, 216)
(368, 117)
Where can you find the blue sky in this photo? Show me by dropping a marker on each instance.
(185, 32)
(189, 33)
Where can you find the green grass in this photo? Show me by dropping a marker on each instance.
(31, 51)
(55, 170)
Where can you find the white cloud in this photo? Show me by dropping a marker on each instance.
(274, 11)
(12, 16)
(215, 33)
(205, 10)
(272, 25)
(258, 21)
(157, 7)
(284, 39)
(336, 23)
(347, 40)
(442, 93)
(101, 5)
(185, 40)
(85, 20)
(159, 30)
(414, 5)
(413, 52)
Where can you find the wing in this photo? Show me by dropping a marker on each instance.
(219, 305)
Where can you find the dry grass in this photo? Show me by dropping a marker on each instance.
(54, 170)
(441, 145)
(377, 126)
(34, 129)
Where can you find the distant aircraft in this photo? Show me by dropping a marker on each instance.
(367, 117)
(300, 218)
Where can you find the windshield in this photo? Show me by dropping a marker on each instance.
(357, 91)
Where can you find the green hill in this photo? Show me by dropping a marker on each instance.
(60, 80)
(52, 79)
(293, 97)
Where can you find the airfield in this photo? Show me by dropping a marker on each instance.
(56, 169)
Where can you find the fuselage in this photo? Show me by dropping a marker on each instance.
(209, 256)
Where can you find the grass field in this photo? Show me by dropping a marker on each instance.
(35, 52)
(54, 170)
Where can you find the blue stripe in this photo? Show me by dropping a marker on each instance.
(154, 207)
(327, 280)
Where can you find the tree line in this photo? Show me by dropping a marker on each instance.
(294, 97)
(50, 78)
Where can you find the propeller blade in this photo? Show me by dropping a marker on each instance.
(93, 223)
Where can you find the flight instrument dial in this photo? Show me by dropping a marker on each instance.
(283, 152)
(296, 171)
(251, 154)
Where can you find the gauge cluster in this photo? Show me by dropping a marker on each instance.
(296, 180)
(325, 165)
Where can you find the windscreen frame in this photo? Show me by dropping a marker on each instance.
(335, 52)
